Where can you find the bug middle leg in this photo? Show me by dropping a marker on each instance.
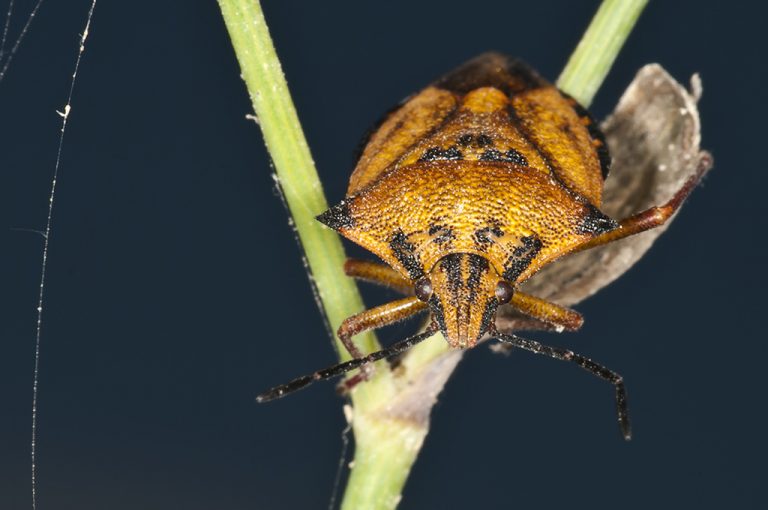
(374, 318)
(377, 317)
(585, 363)
(377, 273)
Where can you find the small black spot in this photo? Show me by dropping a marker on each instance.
(595, 222)
(483, 235)
(515, 157)
(337, 217)
(521, 257)
(441, 234)
(465, 140)
(452, 153)
(484, 140)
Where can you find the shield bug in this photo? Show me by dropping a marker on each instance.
(465, 191)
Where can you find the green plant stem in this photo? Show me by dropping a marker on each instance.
(297, 177)
(387, 443)
(590, 62)
(385, 450)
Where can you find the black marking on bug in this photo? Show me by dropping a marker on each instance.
(543, 154)
(477, 267)
(488, 315)
(441, 234)
(434, 229)
(337, 217)
(482, 236)
(511, 156)
(465, 140)
(491, 155)
(404, 253)
(484, 140)
(521, 257)
(515, 157)
(438, 313)
(451, 266)
(595, 222)
(598, 138)
(603, 154)
(507, 74)
(432, 154)
(452, 153)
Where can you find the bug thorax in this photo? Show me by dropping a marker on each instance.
(463, 291)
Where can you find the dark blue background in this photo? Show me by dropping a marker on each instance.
(176, 291)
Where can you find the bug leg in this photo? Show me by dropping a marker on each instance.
(379, 274)
(374, 318)
(341, 368)
(377, 317)
(537, 315)
(653, 217)
(563, 319)
(585, 363)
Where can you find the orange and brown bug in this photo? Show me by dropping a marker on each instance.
(465, 191)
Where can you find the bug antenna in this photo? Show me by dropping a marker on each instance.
(341, 368)
(585, 363)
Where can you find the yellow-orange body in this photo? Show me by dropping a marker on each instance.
(483, 177)
(466, 190)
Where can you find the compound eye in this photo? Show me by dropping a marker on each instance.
(423, 288)
(504, 292)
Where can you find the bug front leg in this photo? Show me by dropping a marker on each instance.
(377, 273)
(585, 363)
(653, 217)
(375, 318)
(563, 319)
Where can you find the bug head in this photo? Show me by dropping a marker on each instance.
(463, 291)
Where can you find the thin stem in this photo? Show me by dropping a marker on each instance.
(589, 64)
(296, 174)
